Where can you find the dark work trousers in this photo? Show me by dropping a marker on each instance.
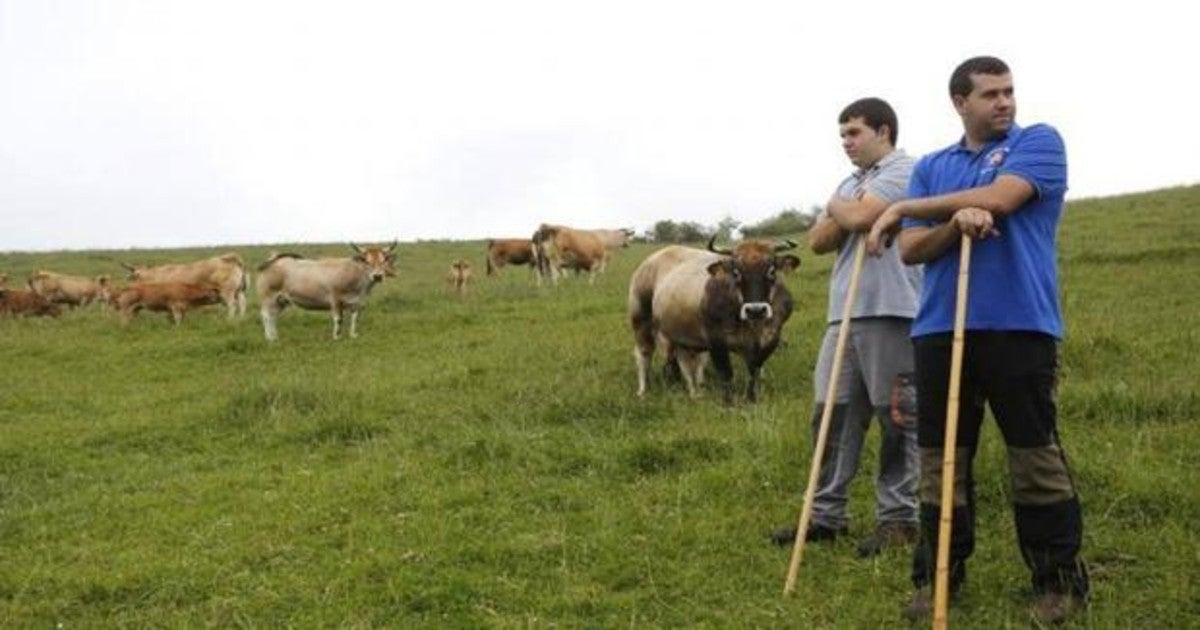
(1013, 373)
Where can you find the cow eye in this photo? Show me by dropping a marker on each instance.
(771, 272)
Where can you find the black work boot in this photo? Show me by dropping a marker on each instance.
(888, 536)
(785, 536)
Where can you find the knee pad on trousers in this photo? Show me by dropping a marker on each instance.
(1039, 475)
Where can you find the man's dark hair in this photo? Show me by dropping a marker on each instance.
(875, 112)
(960, 80)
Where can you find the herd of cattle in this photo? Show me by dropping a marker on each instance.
(698, 305)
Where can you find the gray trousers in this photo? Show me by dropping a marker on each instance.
(873, 384)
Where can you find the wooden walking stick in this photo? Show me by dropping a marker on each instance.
(941, 583)
(826, 413)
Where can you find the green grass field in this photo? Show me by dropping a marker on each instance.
(484, 462)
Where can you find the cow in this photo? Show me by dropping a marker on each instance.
(338, 285)
(227, 271)
(568, 248)
(459, 276)
(512, 251)
(70, 290)
(716, 301)
(172, 298)
(15, 302)
(613, 240)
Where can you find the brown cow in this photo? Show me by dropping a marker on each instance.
(714, 301)
(459, 276)
(512, 251)
(568, 248)
(335, 284)
(70, 290)
(227, 271)
(173, 298)
(15, 302)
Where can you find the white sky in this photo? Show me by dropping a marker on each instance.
(163, 123)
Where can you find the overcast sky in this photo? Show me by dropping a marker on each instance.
(163, 123)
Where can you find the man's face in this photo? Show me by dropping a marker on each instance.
(989, 110)
(863, 145)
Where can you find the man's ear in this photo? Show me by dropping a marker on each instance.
(959, 101)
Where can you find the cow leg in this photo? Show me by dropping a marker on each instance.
(643, 343)
(691, 364)
(335, 311)
(269, 312)
(752, 381)
(241, 303)
(720, 360)
(177, 311)
(354, 324)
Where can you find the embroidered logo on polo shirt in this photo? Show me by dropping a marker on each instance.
(996, 157)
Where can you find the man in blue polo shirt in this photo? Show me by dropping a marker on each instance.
(1003, 186)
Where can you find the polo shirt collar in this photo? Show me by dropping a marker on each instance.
(961, 147)
(896, 154)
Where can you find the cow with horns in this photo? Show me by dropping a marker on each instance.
(716, 301)
(338, 285)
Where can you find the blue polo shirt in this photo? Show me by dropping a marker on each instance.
(1014, 277)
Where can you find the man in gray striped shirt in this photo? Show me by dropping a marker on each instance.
(875, 377)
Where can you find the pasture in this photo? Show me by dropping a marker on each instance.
(483, 461)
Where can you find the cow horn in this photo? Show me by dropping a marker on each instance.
(785, 245)
(128, 266)
(357, 249)
(392, 247)
(723, 252)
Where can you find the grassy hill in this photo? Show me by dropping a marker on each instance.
(484, 461)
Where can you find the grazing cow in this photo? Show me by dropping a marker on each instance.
(459, 276)
(172, 298)
(568, 248)
(338, 285)
(227, 271)
(613, 240)
(512, 251)
(15, 302)
(70, 290)
(714, 301)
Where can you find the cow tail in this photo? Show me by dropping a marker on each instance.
(488, 257)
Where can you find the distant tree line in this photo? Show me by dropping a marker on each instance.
(788, 221)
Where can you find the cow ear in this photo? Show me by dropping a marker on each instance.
(718, 269)
(787, 263)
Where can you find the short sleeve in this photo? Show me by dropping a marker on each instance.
(1040, 158)
(918, 186)
(891, 183)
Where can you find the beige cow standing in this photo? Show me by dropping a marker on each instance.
(227, 271)
(70, 290)
(459, 276)
(338, 285)
(568, 248)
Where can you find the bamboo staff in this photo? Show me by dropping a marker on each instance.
(826, 413)
(941, 588)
